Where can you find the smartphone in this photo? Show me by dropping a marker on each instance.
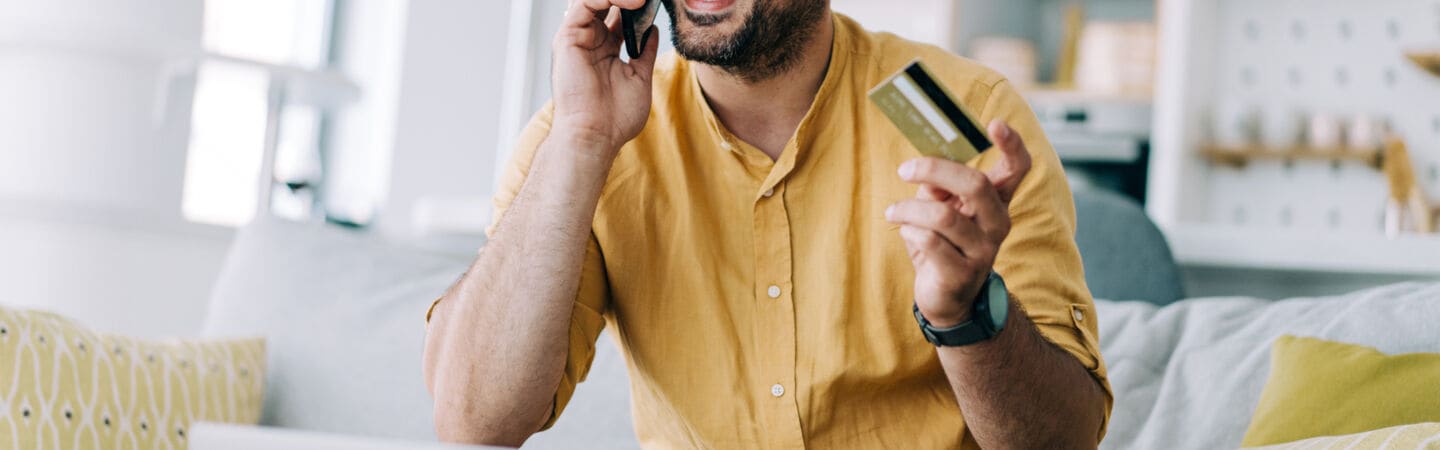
(636, 26)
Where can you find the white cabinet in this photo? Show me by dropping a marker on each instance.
(1325, 56)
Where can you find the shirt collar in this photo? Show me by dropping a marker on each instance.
(839, 63)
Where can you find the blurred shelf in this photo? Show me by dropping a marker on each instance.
(1090, 121)
(1428, 60)
(1239, 156)
(1313, 250)
(1060, 94)
(1079, 147)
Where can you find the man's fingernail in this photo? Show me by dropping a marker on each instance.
(889, 212)
(907, 169)
(1003, 133)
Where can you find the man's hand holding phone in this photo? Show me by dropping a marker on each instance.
(496, 347)
(601, 102)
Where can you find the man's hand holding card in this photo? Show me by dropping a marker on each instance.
(954, 226)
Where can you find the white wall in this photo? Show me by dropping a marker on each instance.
(369, 49)
(80, 79)
(448, 110)
(125, 279)
(91, 174)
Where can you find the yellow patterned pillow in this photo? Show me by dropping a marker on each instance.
(1403, 437)
(63, 386)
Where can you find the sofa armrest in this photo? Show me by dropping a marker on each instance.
(222, 436)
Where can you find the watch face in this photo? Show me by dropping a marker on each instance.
(999, 300)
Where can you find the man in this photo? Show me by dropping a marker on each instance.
(766, 248)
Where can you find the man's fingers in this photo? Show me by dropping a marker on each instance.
(928, 192)
(612, 20)
(583, 16)
(955, 178)
(582, 28)
(645, 64)
(1014, 162)
(977, 196)
(959, 231)
(926, 247)
(614, 40)
(597, 6)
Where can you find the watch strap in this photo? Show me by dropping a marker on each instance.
(966, 333)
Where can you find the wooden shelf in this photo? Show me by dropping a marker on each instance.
(1428, 60)
(1239, 156)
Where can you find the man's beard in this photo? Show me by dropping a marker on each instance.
(768, 43)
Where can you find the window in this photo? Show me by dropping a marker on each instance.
(255, 139)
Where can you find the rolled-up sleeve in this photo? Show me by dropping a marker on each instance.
(1039, 260)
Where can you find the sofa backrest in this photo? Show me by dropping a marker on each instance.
(343, 315)
(1126, 256)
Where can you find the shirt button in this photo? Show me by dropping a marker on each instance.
(777, 390)
(774, 292)
(1079, 316)
(769, 192)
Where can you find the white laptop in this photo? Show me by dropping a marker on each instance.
(218, 436)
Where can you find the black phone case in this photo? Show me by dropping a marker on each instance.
(634, 21)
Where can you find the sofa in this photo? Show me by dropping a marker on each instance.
(343, 315)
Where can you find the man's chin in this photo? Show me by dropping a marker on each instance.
(708, 33)
(710, 36)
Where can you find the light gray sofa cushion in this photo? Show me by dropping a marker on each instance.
(1188, 375)
(343, 313)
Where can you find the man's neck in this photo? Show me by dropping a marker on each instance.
(766, 113)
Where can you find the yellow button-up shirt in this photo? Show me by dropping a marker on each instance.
(767, 304)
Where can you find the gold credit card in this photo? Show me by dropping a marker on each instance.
(929, 116)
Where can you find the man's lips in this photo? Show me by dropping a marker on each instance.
(708, 6)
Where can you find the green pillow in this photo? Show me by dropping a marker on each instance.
(1323, 388)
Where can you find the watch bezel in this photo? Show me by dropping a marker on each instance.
(981, 326)
(995, 289)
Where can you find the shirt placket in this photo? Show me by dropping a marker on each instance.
(774, 295)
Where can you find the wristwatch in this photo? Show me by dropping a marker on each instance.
(992, 308)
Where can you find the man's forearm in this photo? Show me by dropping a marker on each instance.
(497, 341)
(1018, 390)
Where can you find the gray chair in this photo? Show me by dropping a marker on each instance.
(1126, 256)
